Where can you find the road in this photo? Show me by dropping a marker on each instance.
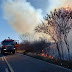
(23, 63)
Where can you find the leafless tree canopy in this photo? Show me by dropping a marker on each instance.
(58, 25)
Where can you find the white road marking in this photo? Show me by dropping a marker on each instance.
(6, 69)
(2, 59)
(8, 64)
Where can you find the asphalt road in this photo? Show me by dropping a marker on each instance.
(23, 63)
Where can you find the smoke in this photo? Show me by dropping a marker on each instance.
(66, 3)
(21, 16)
(55, 4)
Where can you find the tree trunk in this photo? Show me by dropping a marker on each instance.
(58, 50)
(67, 45)
(57, 46)
(61, 47)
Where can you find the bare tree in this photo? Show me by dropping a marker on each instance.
(50, 30)
(64, 21)
(66, 26)
(58, 26)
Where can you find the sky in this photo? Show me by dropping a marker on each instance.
(6, 30)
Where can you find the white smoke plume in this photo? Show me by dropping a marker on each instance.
(21, 15)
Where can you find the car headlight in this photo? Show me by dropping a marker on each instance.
(14, 48)
(4, 49)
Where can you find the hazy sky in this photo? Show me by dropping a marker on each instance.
(7, 31)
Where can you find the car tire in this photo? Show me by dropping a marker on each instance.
(13, 52)
(2, 52)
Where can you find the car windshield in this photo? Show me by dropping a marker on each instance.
(7, 42)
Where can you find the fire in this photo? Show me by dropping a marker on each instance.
(66, 9)
(42, 54)
(51, 57)
(45, 55)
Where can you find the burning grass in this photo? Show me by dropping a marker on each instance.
(50, 57)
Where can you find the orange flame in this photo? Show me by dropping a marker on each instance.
(66, 9)
(42, 54)
(51, 57)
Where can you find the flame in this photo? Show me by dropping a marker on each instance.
(67, 8)
(42, 54)
(51, 57)
(45, 55)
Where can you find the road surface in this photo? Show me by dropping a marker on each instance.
(23, 63)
